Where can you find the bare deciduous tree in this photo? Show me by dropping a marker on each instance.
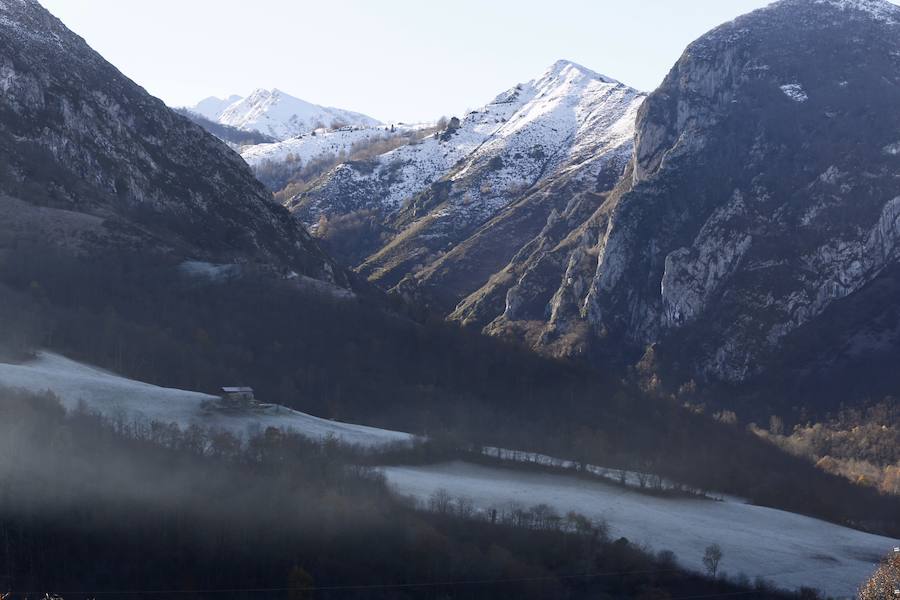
(441, 502)
(711, 558)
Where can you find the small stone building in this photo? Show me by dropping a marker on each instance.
(238, 396)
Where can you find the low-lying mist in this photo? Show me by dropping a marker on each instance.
(90, 506)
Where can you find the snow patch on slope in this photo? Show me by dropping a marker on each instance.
(116, 397)
(892, 149)
(880, 10)
(795, 92)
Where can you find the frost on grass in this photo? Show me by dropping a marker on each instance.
(785, 548)
(98, 391)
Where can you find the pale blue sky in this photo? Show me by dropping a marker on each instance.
(393, 59)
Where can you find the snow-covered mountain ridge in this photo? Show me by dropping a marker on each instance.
(277, 114)
(568, 128)
(566, 115)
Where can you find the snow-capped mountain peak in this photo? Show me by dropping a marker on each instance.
(467, 198)
(282, 116)
(532, 128)
(567, 69)
(566, 110)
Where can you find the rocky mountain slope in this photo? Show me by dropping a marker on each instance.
(754, 230)
(458, 206)
(763, 196)
(94, 164)
(279, 115)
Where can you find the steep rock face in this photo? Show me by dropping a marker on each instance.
(462, 204)
(539, 296)
(523, 282)
(77, 139)
(764, 188)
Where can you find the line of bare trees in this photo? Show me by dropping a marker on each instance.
(541, 517)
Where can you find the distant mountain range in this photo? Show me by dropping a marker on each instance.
(277, 114)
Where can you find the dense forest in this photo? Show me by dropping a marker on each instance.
(92, 508)
(859, 443)
(360, 360)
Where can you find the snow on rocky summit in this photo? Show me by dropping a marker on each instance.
(566, 116)
(278, 114)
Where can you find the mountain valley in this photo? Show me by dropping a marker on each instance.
(688, 295)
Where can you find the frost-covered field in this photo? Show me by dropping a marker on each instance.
(787, 549)
(121, 398)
